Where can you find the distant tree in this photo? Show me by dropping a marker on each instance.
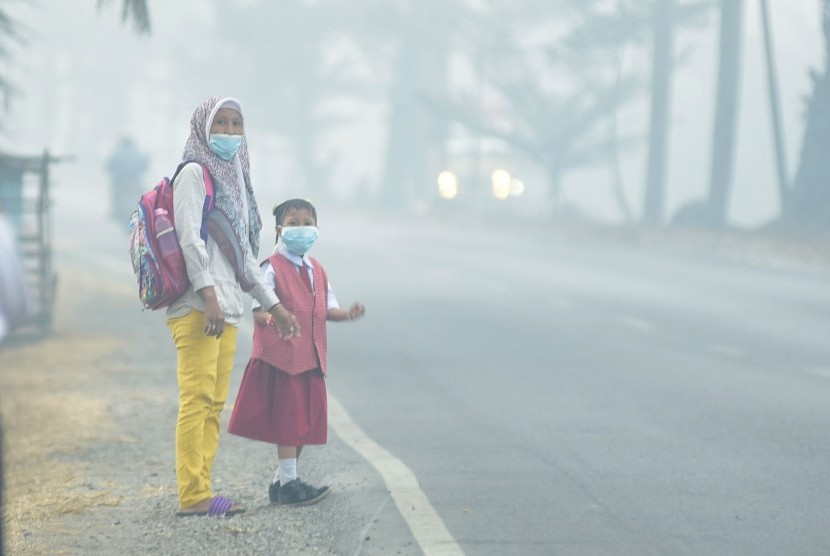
(775, 109)
(136, 12)
(318, 54)
(810, 206)
(726, 111)
(422, 34)
(662, 69)
(10, 34)
(557, 65)
(13, 32)
(666, 17)
(600, 39)
(404, 49)
(618, 54)
(549, 63)
(292, 61)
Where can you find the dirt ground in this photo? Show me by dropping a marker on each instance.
(52, 410)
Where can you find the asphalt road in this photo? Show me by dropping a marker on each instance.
(576, 395)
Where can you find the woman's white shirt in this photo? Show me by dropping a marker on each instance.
(205, 263)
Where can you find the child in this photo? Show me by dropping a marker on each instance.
(282, 397)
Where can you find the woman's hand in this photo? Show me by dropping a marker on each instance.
(286, 322)
(214, 317)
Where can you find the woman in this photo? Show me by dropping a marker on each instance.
(221, 266)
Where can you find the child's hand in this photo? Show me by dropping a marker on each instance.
(262, 318)
(356, 311)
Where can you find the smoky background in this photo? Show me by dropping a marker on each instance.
(600, 111)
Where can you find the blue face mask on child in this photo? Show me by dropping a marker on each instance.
(225, 146)
(299, 239)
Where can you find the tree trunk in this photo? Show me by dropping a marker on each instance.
(726, 110)
(810, 208)
(662, 67)
(403, 146)
(775, 109)
(554, 199)
(308, 137)
(415, 135)
(617, 185)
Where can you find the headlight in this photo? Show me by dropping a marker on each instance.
(447, 185)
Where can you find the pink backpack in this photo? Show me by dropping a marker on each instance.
(161, 280)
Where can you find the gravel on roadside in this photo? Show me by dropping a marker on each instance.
(89, 415)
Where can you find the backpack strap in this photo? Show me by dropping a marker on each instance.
(209, 197)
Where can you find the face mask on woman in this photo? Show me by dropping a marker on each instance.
(299, 239)
(225, 146)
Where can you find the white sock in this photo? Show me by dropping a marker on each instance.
(287, 470)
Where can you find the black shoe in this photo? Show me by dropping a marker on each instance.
(273, 492)
(298, 493)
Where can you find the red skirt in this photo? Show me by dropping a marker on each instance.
(276, 407)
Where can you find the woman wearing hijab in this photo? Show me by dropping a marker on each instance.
(204, 320)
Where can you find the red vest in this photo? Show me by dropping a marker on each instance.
(307, 352)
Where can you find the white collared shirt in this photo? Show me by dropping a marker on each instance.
(302, 263)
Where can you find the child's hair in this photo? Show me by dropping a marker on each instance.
(279, 211)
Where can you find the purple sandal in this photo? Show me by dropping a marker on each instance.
(222, 507)
(219, 507)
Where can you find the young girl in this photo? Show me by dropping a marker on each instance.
(282, 397)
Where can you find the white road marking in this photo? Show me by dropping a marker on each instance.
(426, 525)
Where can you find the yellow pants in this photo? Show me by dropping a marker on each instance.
(204, 372)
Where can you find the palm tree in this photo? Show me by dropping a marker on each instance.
(9, 34)
(12, 32)
(135, 11)
(560, 128)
